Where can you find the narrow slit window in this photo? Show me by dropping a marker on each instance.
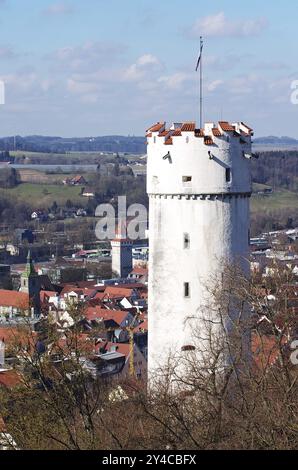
(228, 175)
(186, 240)
(186, 290)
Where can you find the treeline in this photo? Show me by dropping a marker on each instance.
(84, 144)
(277, 169)
(13, 212)
(6, 157)
(8, 178)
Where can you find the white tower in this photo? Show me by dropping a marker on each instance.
(199, 185)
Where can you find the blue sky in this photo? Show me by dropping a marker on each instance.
(95, 67)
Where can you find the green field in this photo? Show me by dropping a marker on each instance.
(279, 200)
(43, 195)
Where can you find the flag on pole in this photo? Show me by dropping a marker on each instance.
(200, 56)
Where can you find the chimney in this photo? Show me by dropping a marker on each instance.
(2, 352)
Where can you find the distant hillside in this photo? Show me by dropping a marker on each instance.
(113, 143)
(273, 140)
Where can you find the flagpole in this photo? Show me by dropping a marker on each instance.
(201, 83)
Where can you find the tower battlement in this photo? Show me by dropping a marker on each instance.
(185, 160)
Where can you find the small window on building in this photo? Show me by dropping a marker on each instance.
(186, 289)
(187, 139)
(228, 175)
(186, 240)
(186, 179)
(154, 139)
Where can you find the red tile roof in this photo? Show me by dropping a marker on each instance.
(10, 379)
(164, 133)
(188, 127)
(142, 327)
(97, 313)
(216, 132)
(199, 133)
(122, 348)
(226, 126)
(156, 127)
(208, 140)
(117, 292)
(10, 298)
(169, 141)
(265, 350)
(177, 133)
(139, 270)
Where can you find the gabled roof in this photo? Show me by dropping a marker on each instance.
(118, 292)
(97, 313)
(10, 379)
(10, 298)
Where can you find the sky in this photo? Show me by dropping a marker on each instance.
(102, 67)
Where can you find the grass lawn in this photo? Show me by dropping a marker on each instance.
(43, 195)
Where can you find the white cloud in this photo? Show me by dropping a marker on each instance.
(92, 55)
(138, 70)
(219, 25)
(175, 80)
(214, 85)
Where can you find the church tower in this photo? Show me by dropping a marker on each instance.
(121, 252)
(199, 186)
(31, 285)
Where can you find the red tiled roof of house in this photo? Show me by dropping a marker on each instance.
(46, 294)
(177, 133)
(118, 292)
(169, 141)
(226, 126)
(122, 348)
(10, 379)
(188, 127)
(10, 298)
(141, 327)
(156, 127)
(164, 133)
(17, 336)
(265, 350)
(139, 270)
(93, 313)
